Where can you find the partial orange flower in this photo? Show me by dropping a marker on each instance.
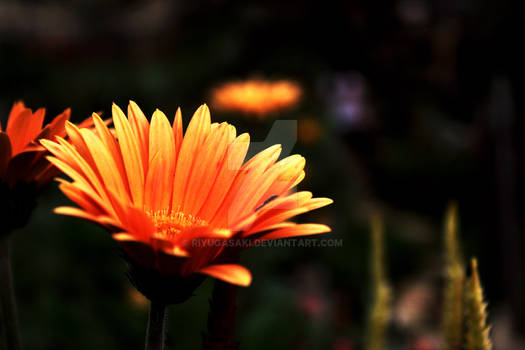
(22, 158)
(258, 97)
(173, 203)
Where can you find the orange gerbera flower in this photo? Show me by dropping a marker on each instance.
(22, 158)
(257, 97)
(159, 192)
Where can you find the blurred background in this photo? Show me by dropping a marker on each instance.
(406, 105)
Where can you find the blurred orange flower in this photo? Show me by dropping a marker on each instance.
(258, 97)
(22, 158)
(159, 193)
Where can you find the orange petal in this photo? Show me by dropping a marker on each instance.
(297, 230)
(76, 212)
(271, 207)
(82, 185)
(177, 130)
(73, 132)
(291, 170)
(267, 156)
(84, 164)
(231, 273)
(85, 175)
(19, 131)
(159, 181)
(81, 198)
(109, 142)
(105, 164)
(35, 125)
(205, 168)
(17, 108)
(124, 237)
(227, 172)
(140, 126)
(14, 114)
(243, 186)
(274, 217)
(161, 136)
(197, 131)
(257, 190)
(131, 155)
(56, 127)
(139, 224)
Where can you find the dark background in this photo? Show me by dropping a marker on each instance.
(414, 103)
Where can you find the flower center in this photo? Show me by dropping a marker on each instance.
(168, 224)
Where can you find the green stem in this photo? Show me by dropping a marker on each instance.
(7, 298)
(156, 333)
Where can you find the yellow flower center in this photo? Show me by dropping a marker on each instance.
(169, 224)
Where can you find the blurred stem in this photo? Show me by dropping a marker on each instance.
(221, 318)
(7, 298)
(379, 312)
(156, 333)
(452, 317)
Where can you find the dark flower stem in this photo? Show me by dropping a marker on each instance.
(7, 298)
(221, 318)
(156, 333)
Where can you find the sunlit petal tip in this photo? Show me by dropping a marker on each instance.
(61, 140)
(96, 116)
(294, 162)
(178, 251)
(304, 195)
(272, 150)
(133, 109)
(325, 201)
(245, 137)
(231, 273)
(159, 114)
(297, 230)
(323, 228)
(203, 112)
(123, 237)
(314, 229)
(61, 181)
(76, 212)
(70, 125)
(223, 233)
(46, 143)
(117, 111)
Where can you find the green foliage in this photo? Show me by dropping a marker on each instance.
(477, 330)
(380, 309)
